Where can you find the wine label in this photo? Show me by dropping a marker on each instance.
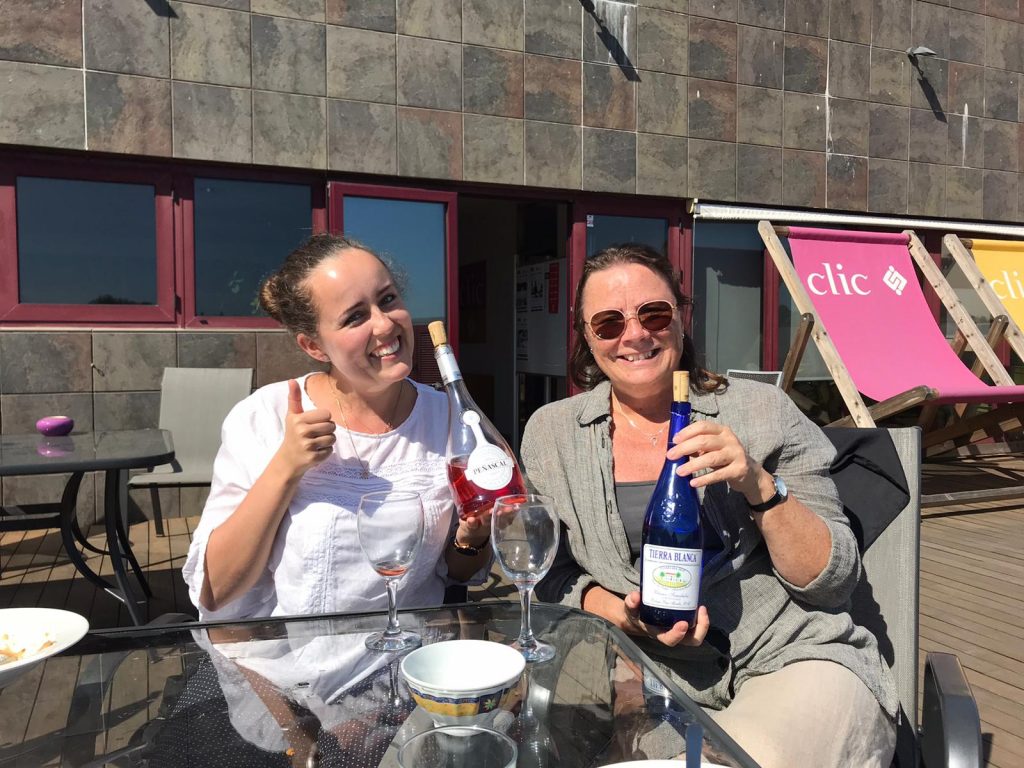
(671, 578)
(489, 467)
(653, 685)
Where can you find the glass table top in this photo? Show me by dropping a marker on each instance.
(306, 692)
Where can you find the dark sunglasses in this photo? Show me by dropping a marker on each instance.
(653, 316)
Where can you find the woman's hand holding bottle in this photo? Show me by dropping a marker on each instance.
(680, 633)
(308, 435)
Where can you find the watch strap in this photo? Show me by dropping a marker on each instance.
(464, 549)
(777, 498)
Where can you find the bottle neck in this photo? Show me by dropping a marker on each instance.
(679, 418)
(447, 364)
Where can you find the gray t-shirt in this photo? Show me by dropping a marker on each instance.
(632, 500)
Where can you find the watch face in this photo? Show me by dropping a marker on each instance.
(780, 486)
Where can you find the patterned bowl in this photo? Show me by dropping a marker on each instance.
(463, 682)
(55, 426)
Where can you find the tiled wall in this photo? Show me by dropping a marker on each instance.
(797, 102)
(111, 380)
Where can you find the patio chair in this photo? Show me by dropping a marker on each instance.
(193, 405)
(765, 377)
(878, 337)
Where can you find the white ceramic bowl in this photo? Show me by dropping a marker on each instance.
(32, 634)
(462, 682)
(658, 764)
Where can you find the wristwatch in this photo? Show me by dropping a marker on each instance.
(464, 549)
(781, 494)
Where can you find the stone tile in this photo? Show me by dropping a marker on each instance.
(679, 6)
(807, 17)
(289, 56)
(429, 143)
(964, 193)
(661, 103)
(554, 155)
(928, 135)
(965, 144)
(847, 187)
(887, 185)
(966, 36)
(999, 196)
(758, 116)
(210, 45)
(806, 64)
(289, 130)
(850, 20)
(929, 86)
(890, 75)
(889, 132)
(804, 126)
(1002, 45)
(762, 13)
(931, 22)
(849, 70)
(36, 489)
(19, 413)
(711, 169)
(758, 174)
(41, 106)
(42, 32)
(712, 110)
(966, 89)
(128, 114)
(37, 362)
(971, 5)
(613, 40)
(234, 5)
(493, 148)
(436, 19)
(848, 126)
(554, 89)
(713, 9)
(609, 161)
(661, 165)
(378, 15)
(126, 410)
(762, 60)
(126, 37)
(663, 40)
(362, 137)
(713, 49)
(306, 10)
(552, 28)
(803, 178)
(492, 81)
(212, 122)
(361, 65)
(926, 195)
(890, 24)
(124, 361)
(429, 74)
(236, 349)
(495, 23)
(1001, 143)
(1004, 9)
(609, 98)
(1001, 94)
(278, 357)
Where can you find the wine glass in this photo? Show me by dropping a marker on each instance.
(390, 525)
(524, 536)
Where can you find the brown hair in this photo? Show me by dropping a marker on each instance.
(583, 369)
(285, 295)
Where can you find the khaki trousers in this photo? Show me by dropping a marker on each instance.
(811, 714)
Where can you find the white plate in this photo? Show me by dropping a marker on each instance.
(31, 629)
(658, 764)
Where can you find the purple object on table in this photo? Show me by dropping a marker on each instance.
(55, 426)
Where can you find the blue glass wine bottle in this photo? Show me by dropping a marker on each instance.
(671, 559)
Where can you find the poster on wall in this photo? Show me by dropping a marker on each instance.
(541, 330)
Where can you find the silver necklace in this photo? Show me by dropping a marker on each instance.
(364, 472)
(653, 438)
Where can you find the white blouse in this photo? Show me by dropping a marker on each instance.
(316, 564)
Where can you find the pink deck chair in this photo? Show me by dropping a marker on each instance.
(878, 336)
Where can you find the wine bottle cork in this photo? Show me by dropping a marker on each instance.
(437, 333)
(681, 386)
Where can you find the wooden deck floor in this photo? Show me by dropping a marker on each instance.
(972, 599)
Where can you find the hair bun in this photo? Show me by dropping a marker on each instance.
(269, 296)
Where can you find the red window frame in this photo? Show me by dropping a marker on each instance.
(184, 186)
(12, 309)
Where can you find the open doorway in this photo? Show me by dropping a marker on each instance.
(513, 306)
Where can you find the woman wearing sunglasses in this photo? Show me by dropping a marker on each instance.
(773, 650)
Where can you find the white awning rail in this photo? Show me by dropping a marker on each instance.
(723, 212)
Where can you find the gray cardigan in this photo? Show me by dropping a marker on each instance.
(760, 622)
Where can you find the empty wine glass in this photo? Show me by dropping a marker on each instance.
(524, 536)
(390, 525)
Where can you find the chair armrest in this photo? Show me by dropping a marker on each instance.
(950, 725)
